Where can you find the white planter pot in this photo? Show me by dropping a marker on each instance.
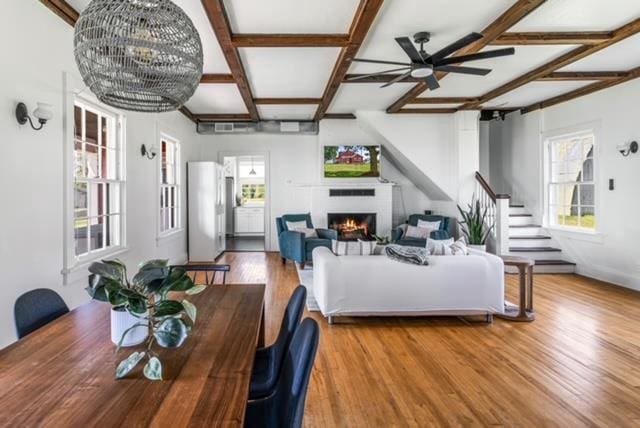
(478, 247)
(123, 320)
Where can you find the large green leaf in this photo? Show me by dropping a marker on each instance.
(96, 288)
(127, 365)
(183, 284)
(197, 289)
(153, 369)
(106, 270)
(156, 263)
(190, 309)
(168, 307)
(150, 274)
(137, 304)
(122, 268)
(171, 333)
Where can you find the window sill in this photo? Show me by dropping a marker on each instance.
(578, 235)
(78, 270)
(169, 237)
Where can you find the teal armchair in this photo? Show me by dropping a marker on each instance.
(445, 231)
(294, 245)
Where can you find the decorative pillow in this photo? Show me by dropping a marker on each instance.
(418, 232)
(301, 226)
(437, 247)
(352, 248)
(429, 224)
(367, 248)
(447, 247)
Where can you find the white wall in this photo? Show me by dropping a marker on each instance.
(31, 164)
(516, 164)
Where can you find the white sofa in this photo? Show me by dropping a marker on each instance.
(377, 285)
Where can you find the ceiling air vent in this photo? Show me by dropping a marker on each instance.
(224, 127)
(264, 127)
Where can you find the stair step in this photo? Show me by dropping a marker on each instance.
(524, 225)
(534, 249)
(520, 215)
(554, 263)
(516, 206)
(530, 237)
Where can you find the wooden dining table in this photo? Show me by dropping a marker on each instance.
(64, 373)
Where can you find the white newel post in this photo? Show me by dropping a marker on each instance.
(502, 224)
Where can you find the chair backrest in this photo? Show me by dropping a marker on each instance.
(281, 222)
(208, 269)
(290, 321)
(37, 308)
(291, 391)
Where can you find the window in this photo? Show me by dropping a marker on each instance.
(98, 181)
(252, 194)
(169, 185)
(571, 185)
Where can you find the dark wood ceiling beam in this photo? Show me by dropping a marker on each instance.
(217, 78)
(383, 78)
(240, 117)
(553, 38)
(508, 19)
(569, 76)
(580, 92)
(287, 101)
(442, 100)
(189, 115)
(289, 40)
(363, 19)
(572, 56)
(220, 23)
(63, 9)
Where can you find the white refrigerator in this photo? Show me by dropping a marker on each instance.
(206, 206)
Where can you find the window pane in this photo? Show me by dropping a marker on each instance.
(80, 200)
(77, 122)
(173, 197)
(80, 235)
(91, 127)
(97, 199)
(105, 131)
(587, 217)
(91, 153)
(97, 232)
(574, 149)
(587, 194)
(573, 169)
(79, 168)
(587, 170)
(587, 147)
(113, 230)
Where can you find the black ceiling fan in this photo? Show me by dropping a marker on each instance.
(423, 65)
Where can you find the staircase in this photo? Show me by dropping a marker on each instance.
(531, 240)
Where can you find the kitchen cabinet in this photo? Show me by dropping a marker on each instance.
(249, 221)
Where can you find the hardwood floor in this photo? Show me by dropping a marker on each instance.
(578, 364)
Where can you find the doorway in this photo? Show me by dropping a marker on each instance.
(246, 201)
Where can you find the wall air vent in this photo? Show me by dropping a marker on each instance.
(264, 127)
(351, 192)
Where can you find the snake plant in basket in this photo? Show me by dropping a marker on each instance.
(475, 224)
(146, 298)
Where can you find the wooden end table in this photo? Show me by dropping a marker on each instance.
(524, 311)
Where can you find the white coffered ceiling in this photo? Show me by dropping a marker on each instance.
(303, 72)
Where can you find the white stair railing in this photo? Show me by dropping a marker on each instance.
(497, 206)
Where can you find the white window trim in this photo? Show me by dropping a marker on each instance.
(177, 232)
(581, 129)
(74, 89)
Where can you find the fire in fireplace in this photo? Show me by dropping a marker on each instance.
(353, 226)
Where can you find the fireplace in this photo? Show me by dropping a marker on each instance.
(353, 226)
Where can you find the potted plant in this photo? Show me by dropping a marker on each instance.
(475, 225)
(143, 309)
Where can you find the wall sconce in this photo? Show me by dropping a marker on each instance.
(43, 113)
(150, 153)
(627, 148)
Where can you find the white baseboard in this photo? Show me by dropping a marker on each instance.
(605, 274)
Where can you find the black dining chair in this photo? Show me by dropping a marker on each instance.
(268, 360)
(284, 408)
(207, 268)
(37, 308)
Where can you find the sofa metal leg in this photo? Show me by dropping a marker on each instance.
(330, 319)
(284, 261)
(301, 265)
(489, 318)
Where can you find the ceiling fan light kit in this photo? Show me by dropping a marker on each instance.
(138, 55)
(423, 65)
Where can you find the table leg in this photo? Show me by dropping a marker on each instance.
(530, 288)
(261, 335)
(523, 292)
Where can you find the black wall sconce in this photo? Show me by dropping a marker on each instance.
(150, 153)
(626, 149)
(44, 113)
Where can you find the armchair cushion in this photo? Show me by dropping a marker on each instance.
(295, 218)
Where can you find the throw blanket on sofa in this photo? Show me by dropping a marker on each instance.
(412, 255)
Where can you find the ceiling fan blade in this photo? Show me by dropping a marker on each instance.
(408, 47)
(365, 76)
(455, 46)
(432, 82)
(463, 70)
(476, 56)
(397, 79)
(375, 61)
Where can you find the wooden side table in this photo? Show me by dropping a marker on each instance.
(524, 311)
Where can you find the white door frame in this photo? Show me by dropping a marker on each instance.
(267, 183)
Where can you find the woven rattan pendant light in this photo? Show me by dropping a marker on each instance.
(138, 55)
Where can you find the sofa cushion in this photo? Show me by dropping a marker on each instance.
(435, 225)
(353, 248)
(418, 232)
(294, 218)
(447, 247)
(301, 226)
